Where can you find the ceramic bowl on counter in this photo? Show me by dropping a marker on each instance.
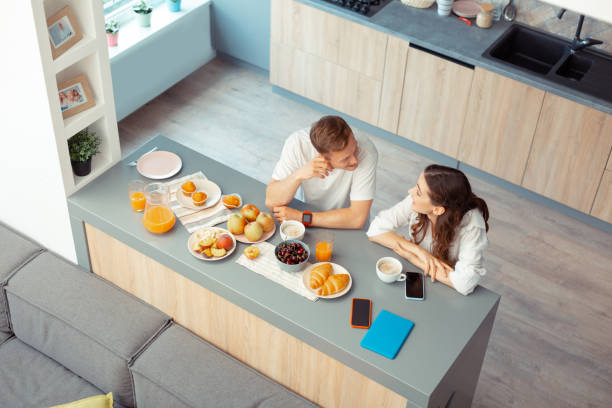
(292, 229)
(292, 255)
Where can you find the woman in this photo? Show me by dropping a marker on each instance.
(448, 228)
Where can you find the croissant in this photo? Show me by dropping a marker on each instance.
(334, 284)
(319, 275)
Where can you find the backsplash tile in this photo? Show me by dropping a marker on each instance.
(544, 16)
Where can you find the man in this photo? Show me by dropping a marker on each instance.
(333, 170)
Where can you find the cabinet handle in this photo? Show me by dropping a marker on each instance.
(437, 54)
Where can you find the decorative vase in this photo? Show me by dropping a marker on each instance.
(144, 19)
(444, 7)
(174, 5)
(111, 39)
(81, 168)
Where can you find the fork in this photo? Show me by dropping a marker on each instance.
(134, 162)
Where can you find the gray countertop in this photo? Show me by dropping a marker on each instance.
(444, 322)
(451, 37)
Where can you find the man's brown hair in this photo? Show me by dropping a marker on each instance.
(330, 134)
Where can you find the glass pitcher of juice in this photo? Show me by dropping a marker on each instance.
(158, 217)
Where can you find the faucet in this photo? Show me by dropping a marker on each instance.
(577, 42)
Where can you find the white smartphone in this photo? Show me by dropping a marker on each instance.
(415, 286)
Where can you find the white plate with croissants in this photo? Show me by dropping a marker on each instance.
(327, 280)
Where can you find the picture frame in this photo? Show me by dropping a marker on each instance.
(63, 31)
(75, 96)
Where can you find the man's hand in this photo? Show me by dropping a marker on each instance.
(317, 167)
(285, 213)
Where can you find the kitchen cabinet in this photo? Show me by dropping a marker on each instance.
(310, 55)
(393, 84)
(434, 101)
(602, 207)
(569, 153)
(501, 120)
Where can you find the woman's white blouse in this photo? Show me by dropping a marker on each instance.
(466, 250)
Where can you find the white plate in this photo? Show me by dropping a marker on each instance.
(197, 236)
(159, 165)
(264, 237)
(337, 270)
(212, 191)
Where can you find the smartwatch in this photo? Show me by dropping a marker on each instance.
(307, 218)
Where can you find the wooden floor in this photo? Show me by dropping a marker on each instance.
(552, 341)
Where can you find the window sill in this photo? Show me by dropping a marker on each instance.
(131, 34)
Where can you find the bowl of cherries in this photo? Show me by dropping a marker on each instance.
(292, 255)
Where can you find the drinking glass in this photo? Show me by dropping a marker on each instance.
(158, 216)
(324, 245)
(136, 194)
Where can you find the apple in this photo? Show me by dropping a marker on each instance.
(266, 220)
(236, 223)
(225, 241)
(253, 231)
(250, 212)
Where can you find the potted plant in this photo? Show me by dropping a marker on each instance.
(174, 5)
(82, 147)
(143, 11)
(112, 33)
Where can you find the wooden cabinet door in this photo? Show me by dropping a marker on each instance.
(569, 152)
(362, 49)
(602, 207)
(434, 101)
(393, 84)
(305, 28)
(501, 120)
(325, 82)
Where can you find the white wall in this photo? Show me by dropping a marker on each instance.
(32, 198)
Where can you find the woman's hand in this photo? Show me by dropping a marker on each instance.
(431, 265)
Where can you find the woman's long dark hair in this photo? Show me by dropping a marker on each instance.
(450, 189)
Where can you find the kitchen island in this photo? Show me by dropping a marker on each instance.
(307, 346)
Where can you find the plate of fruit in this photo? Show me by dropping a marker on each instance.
(327, 280)
(251, 226)
(211, 243)
(198, 194)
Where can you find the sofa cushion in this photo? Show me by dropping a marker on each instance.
(14, 252)
(83, 322)
(180, 369)
(28, 378)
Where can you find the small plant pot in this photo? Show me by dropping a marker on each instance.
(144, 20)
(111, 39)
(174, 5)
(81, 168)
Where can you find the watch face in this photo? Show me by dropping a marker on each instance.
(306, 218)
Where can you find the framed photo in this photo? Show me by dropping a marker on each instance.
(75, 96)
(63, 31)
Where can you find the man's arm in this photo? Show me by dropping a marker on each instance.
(281, 192)
(353, 217)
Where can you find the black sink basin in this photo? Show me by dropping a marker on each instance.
(551, 58)
(575, 67)
(528, 49)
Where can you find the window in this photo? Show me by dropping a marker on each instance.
(112, 5)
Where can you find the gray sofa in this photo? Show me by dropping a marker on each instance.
(67, 334)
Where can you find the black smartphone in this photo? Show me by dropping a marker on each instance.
(361, 313)
(415, 286)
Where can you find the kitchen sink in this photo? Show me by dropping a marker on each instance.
(551, 57)
(529, 49)
(575, 67)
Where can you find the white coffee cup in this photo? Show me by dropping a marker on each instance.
(389, 270)
(292, 229)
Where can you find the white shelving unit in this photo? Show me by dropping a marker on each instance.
(90, 57)
(35, 164)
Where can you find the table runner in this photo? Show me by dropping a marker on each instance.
(265, 264)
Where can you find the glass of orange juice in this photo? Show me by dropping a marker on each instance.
(136, 193)
(158, 216)
(324, 244)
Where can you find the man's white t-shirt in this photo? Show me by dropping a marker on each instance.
(340, 186)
